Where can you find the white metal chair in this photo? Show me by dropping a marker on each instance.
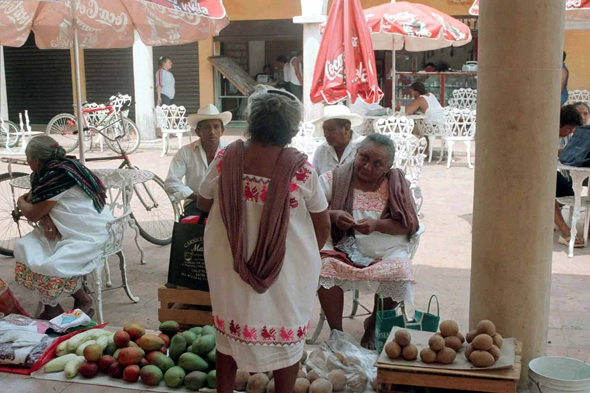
(462, 125)
(464, 99)
(578, 96)
(120, 190)
(433, 131)
(304, 141)
(171, 119)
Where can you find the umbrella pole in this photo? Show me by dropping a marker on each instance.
(79, 115)
(393, 81)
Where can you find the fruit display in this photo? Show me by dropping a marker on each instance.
(402, 346)
(176, 358)
(484, 345)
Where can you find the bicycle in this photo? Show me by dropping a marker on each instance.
(104, 118)
(152, 208)
(8, 130)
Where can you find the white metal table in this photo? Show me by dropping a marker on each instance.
(370, 121)
(136, 176)
(23, 134)
(578, 175)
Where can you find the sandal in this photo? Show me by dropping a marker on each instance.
(579, 243)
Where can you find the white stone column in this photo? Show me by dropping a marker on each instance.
(3, 95)
(143, 76)
(313, 13)
(517, 137)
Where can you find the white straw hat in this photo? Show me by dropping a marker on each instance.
(336, 112)
(209, 112)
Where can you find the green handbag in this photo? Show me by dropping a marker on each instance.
(387, 319)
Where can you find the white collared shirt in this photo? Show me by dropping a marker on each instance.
(190, 163)
(325, 158)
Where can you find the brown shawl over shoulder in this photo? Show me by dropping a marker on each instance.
(265, 264)
(399, 208)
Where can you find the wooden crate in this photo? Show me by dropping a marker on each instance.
(168, 296)
(504, 381)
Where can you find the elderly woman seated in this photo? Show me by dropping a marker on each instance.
(67, 201)
(374, 232)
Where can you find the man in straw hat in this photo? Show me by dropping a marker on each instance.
(191, 161)
(340, 147)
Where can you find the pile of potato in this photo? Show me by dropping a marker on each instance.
(444, 345)
(484, 345)
(401, 345)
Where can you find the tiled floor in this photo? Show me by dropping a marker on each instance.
(441, 266)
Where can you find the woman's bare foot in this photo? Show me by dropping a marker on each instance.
(51, 312)
(82, 300)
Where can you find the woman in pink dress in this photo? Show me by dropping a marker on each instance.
(268, 220)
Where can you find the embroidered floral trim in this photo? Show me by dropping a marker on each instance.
(366, 201)
(265, 335)
(48, 286)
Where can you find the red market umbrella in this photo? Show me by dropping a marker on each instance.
(75, 24)
(345, 66)
(417, 27)
(570, 5)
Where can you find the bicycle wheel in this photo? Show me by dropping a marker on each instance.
(9, 131)
(154, 211)
(11, 228)
(131, 136)
(61, 128)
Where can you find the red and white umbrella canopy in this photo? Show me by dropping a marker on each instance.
(416, 27)
(570, 5)
(110, 23)
(345, 66)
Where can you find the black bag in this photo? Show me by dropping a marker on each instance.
(187, 261)
(577, 151)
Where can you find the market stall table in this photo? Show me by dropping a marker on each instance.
(578, 175)
(503, 380)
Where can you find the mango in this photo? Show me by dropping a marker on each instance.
(121, 338)
(129, 356)
(164, 363)
(150, 342)
(174, 377)
(190, 337)
(211, 357)
(212, 379)
(169, 327)
(92, 353)
(197, 330)
(208, 330)
(110, 349)
(165, 338)
(152, 356)
(204, 344)
(135, 331)
(177, 347)
(192, 362)
(195, 380)
(116, 370)
(151, 375)
(131, 373)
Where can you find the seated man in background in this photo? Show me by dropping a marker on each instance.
(426, 103)
(191, 161)
(584, 111)
(569, 120)
(339, 148)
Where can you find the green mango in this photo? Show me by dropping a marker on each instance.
(169, 327)
(177, 347)
(207, 330)
(190, 337)
(164, 363)
(211, 357)
(192, 362)
(204, 345)
(174, 377)
(195, 380)
(197, 330)
(212, 379)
